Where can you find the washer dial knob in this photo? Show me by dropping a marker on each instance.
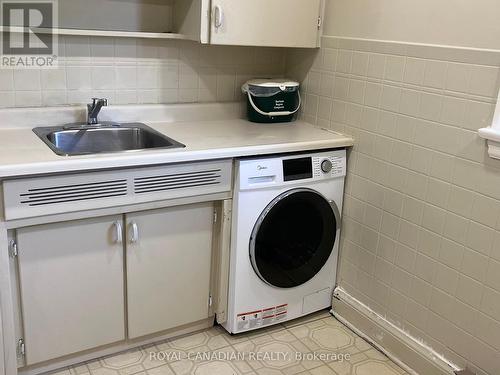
(326, 166)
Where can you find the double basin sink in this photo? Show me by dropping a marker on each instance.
(70, 140)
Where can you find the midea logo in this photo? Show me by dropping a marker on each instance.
(261, 167)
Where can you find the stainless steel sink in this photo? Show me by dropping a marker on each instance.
(72, 140)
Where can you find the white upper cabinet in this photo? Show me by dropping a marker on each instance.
(158, 19)
(271, 23)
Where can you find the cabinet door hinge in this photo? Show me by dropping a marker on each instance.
(210, 300)
(319, 22)
(215, 216)
(13, 249)
(21, 348)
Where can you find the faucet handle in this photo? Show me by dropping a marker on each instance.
(94, 108)
(103, 101)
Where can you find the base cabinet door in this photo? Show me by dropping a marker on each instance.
(168, 260)
(72, 286)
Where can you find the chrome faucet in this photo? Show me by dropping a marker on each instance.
(94, 109)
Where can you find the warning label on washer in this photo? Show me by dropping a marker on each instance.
(260, 318)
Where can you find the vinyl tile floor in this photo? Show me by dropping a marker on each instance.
(314, 345)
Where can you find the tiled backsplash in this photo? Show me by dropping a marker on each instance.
(128, 70)
(421, 235)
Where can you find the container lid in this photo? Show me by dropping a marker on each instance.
(273, 82)
(267, 87)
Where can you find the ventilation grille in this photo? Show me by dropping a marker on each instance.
(177, 181)
(73, 193)
(57, 194)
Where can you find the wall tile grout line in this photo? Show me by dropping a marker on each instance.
(422, 205)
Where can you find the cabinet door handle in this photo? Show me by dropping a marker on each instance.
(134, 232)
(118, 232)
(218, 16)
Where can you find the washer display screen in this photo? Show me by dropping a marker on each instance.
(293, 238)
(297, 169)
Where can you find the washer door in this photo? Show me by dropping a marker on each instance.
(293, 238)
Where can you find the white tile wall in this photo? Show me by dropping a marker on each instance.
(139, 71)
(421, 235)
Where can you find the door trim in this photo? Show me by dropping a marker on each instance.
(269, 207)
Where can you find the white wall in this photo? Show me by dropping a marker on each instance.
(421, 224)
(467, 23)
(421, 216)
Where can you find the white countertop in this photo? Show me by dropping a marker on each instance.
(22, 153)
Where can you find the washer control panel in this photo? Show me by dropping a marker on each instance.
(291, 169)
(329, 166)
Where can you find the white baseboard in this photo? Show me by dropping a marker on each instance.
(402, 348)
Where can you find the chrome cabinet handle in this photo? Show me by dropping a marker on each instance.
(218, 16)
(118, 232)
(134, 232)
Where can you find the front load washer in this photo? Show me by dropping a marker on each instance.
(284, 238)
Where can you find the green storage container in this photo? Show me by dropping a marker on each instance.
(271, 100)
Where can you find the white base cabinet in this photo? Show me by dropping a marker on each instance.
(72, 289)
(168, 267)
(93, 282)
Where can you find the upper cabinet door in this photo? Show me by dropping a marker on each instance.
(272, 23)
(71, 281)
(169, 254)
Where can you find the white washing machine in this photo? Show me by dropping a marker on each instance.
(285, 237)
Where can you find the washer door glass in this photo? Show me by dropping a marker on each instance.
(293, 238)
